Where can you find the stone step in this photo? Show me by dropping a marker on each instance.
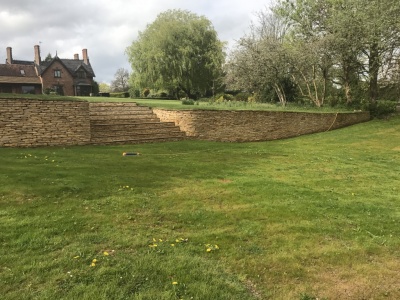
(123, 118)
(133, 126)
(137, 132)
(136, 139)
(121, 112)
(125, 123)
(111, 104)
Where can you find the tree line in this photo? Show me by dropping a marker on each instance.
(315, 51)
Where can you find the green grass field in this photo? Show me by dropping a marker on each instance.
(316, 216)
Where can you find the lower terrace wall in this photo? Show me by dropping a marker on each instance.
(31, 123)
(247, 126)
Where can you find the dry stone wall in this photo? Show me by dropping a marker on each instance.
(246, 126)
(31, 123)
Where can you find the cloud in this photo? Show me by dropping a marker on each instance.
(105, 27)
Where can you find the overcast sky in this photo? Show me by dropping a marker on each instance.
(106, 27)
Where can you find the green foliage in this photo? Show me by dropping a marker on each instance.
(243, 96)
(95, 88)
(382, 108)
(120, 95)
(178, 51)
(188, 102)
(146, 92)
(223, 97)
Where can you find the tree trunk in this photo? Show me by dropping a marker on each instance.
(373, 72)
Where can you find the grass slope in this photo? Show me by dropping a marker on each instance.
(205, 104)
(314, 216)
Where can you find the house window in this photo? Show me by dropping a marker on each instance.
(22, 72)
(81, 74)
(28, 89)
(57, 73)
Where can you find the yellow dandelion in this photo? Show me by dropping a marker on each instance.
(174, 283)
(208, 249)
(216, 247)
(94, 261)
(105, 253)
(172, 245)
(92, 264)
(76, 256)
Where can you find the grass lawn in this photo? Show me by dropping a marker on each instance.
(227, 105)
(316, 216)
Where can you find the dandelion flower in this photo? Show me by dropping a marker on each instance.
(172, 245)
(174, 283)
(208, 249)
(75, 257)
(105, 253)
(92, 264)
(94, 261)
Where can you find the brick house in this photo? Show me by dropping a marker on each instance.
(69, 77)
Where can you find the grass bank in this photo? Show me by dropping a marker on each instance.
(314, 216)
(210, 105)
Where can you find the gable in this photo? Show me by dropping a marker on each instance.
(70, 65)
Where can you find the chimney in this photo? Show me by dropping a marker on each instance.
(85, 57)
(37, 55)
(76, 56)
(9, 56)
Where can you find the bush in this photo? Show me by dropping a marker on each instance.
(223, 97)
(243, 96)
(188, 102)
(382, 108)
(120, 95)
(146, 92)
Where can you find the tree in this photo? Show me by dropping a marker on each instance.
(179, 51)
(48, 57)
(362, 35)
(260, 63)
(104, 87)
(121, 81)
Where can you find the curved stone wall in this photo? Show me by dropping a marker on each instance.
(247, 126)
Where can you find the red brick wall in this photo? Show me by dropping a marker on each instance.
(66, 80)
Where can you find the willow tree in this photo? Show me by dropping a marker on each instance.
(179, 51)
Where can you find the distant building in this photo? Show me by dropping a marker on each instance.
(69, 77)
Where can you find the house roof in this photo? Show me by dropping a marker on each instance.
(72, 65)
(18, 73)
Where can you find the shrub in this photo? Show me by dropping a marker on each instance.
(382, 108)
(243, 96)
(223, 97)
(146, 92)
(188, 102)
(120, 95)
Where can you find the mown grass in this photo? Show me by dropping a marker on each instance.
(314, 216)
(207, 104)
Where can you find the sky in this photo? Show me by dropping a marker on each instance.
(107, 27)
